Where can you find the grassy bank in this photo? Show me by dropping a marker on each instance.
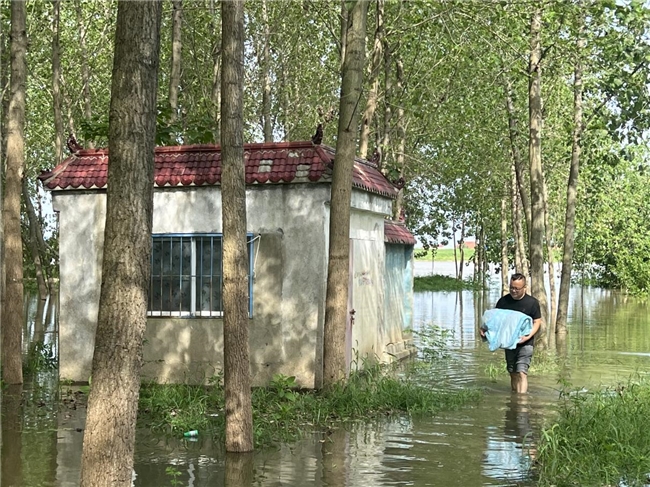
(283, 413)
(599, 439)
(442, 255)
(440, 283)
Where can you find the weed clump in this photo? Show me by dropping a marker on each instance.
(283, 412)
(598, 439)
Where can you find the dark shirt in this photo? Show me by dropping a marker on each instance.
(527, 305)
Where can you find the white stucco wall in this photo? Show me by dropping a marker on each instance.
(291, 226)
(288, 286)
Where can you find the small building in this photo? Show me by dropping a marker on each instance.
(287, 199)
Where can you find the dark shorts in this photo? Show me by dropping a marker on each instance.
(518, 360)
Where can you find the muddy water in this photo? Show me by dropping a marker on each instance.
(491, 443)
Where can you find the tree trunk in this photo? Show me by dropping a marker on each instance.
(239, 412)
(177, 47)
(336, 305)
(504, 240)
(516, 155)
(388, 110)
(109, 438)
(267, 127)
(36, 250)
(461, 250)
(12, 312)
(85, 69)
(572, 189)
(400, 161)
(521, 258)
(373, 95)
(57, 101)
(538, 288)
(216, 77)
(551, 261)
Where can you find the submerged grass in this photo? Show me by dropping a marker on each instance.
(599, 439)
(282, 412)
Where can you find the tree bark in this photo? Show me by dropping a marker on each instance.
(107, 458)
(551, 260)
(216, 77)
(400, 161)
(538, 288)
(85, 69)
(504, 240)
(336, 305)
(57, 101)
(267, 124)
(13, 312)
(572, 189)
(35, 234)
(521, 259)
(388, 109)
(177, 47)
(516, 155)
(239, 415)
(373, 95)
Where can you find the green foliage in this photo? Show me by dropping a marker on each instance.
(613, 243)
(598, 439)
(173, 473)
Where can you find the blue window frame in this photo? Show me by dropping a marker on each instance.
(187, 275)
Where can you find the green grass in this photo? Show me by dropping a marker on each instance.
(441, 255)
(437, 282)
(284, 413)
(599, 439)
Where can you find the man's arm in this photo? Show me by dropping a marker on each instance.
(536, 324)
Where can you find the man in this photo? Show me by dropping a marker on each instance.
(518, 360)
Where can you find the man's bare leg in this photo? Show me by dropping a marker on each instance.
(519, 382)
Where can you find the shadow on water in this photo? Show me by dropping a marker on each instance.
(488, 444)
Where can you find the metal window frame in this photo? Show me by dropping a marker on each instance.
(194, 238)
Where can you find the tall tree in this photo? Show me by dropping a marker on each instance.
(375, 71)
(57, 100)
(336, 304)
(12, 311)
(572, 188)
(265, 64)
(109, 438)
(536, 243)
(177, 46)
(239, 411)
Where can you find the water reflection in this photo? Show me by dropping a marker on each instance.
(488, 444)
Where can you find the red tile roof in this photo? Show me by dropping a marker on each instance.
(200, 165)
(397, 233)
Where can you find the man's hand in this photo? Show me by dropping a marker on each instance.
(482, 332)
(524, 338)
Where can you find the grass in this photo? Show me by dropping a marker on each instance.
(441, 255)
(598, 439)
(438, 282)
(283, 413)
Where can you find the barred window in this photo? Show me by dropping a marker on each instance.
(186, 275)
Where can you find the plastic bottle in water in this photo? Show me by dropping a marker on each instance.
(192, 433)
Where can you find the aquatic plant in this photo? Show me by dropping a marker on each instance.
(599, 438)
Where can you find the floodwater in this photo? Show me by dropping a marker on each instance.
(487, 444)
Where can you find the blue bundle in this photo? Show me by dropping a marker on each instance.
(504, 327)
